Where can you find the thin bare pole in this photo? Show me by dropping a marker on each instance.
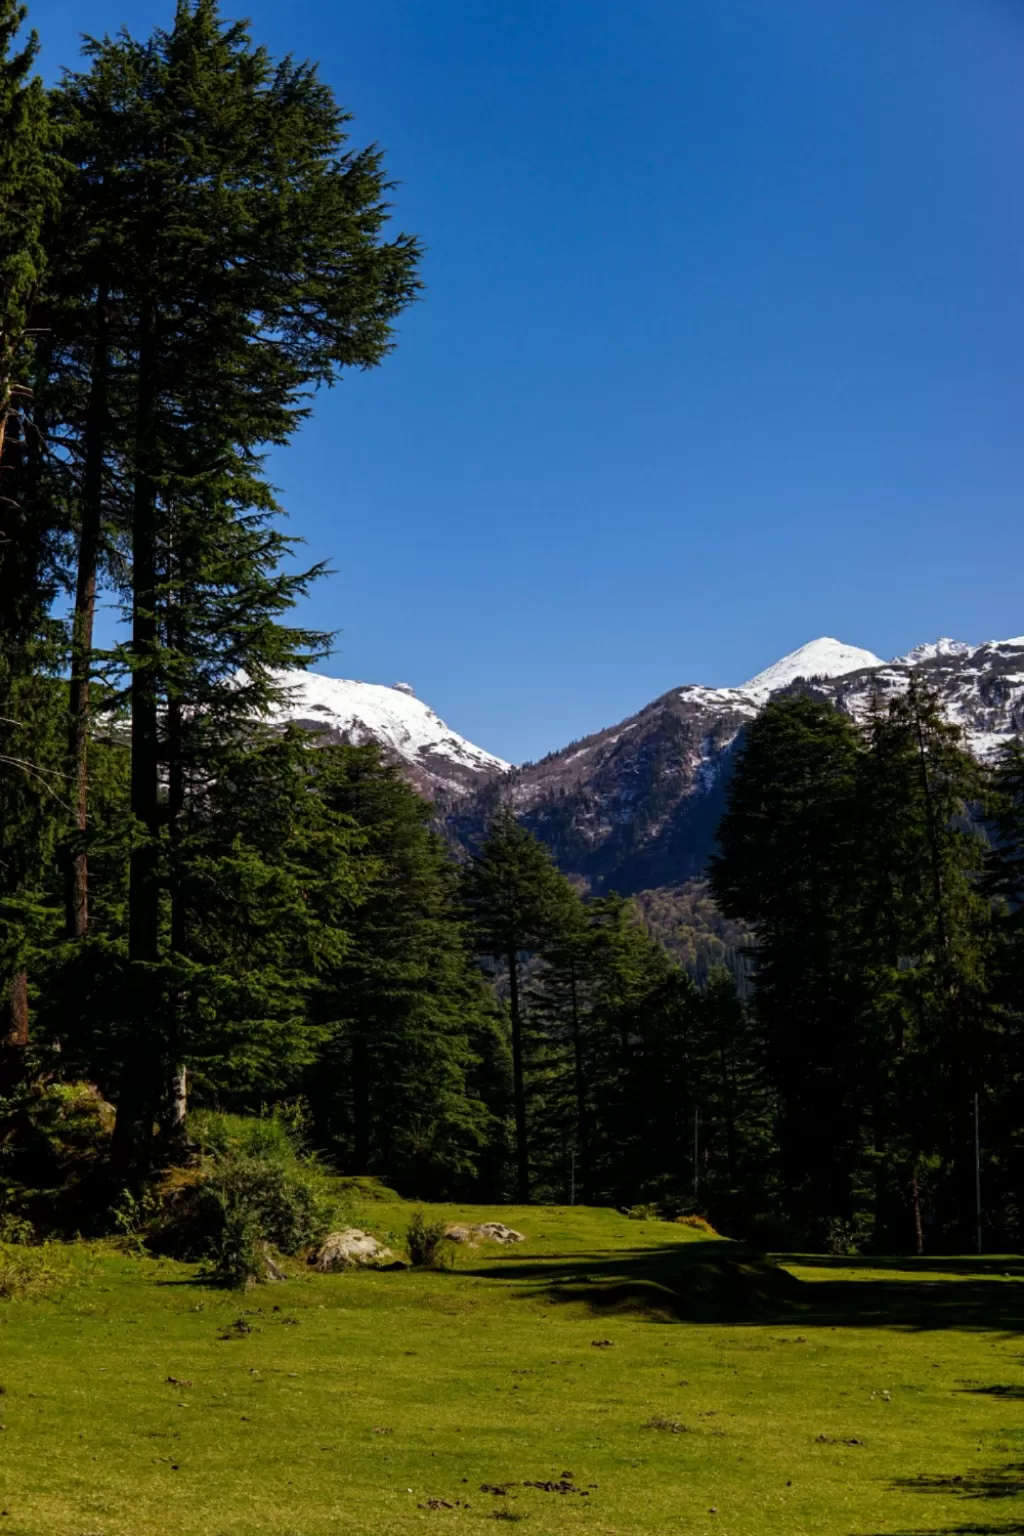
(696, 1152)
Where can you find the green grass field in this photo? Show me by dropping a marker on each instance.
(655, 1380)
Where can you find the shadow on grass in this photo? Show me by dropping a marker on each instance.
(725, 1282)
(995, 1266)
(973, 1528)
(999, 1483)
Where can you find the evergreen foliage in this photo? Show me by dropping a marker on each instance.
(859, 861)
(514, 897)
(395, 1088)
(30, 538)
(230, 260)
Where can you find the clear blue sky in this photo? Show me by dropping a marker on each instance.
(722, 346)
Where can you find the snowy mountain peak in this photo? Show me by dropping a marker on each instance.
(405, 727)
(824, 657)
(933, 649)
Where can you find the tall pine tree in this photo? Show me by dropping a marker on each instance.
(30, 649)
(514, 897)
(239, 263)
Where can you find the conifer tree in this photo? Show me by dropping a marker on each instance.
(239, 264)
(634, 1058)
(923, 940)
(402, 1002)
(1004, 884)
(561, 996)
(787, 865)
(29, 533)
(514, 897)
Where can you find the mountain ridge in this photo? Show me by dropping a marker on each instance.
(634, 805)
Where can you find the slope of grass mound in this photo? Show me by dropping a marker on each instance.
(709, 1282)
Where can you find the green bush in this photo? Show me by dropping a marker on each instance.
(15, 1229)
(648, 1212)
(268, 1137)
(239, 1257)
(252, 1191)
(423, 1241)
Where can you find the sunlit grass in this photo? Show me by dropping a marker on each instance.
(654, 1381)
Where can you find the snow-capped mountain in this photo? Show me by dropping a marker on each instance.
(819, 658)
(933, 648)
(636, 805)
(436, 758)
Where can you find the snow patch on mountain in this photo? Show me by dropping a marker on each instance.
(824, 657)
(932, 650)
(359, 712)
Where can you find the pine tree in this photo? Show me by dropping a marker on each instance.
(514, 896)
(238, 264)
(731, 1097)
(30, 650)
(788, 866)
(404, 1007)
(922, 953)
(635, 1060)
(1004, 884)
(562, 1004)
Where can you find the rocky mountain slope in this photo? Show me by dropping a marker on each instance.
(634, 806)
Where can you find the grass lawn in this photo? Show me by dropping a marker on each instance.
(655, 1379)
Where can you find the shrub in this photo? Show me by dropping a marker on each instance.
(52, 1137)
(843, 1238)
(15, 1229)
(252, 1191)
(699, 1223)
(27, 1271)
(423, 1241)
(239, 1257)
(268, 1137)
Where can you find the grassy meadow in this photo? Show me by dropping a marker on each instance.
(607, 1376)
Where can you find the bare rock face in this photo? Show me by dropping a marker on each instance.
(486, 1231)
(350, 1247)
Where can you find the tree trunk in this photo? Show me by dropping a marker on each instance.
(77, 898)
(360, 1100)
(176, 1089)
(915, 1201)
(728, 1108)
(14, 1032)
(144, 892)
(518, 1082)
(933, 832)
(174, 1135)
(582, 1113)
(141, 1089)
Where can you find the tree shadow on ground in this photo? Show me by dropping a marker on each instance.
(997, 1483)
(726, 1282)
(995, 1266)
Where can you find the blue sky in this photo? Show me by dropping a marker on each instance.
(721, 347)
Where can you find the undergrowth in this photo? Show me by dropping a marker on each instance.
(253, 1191)
(27, 1271)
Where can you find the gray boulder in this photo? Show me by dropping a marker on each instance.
(350, 1247)
(484, 1231)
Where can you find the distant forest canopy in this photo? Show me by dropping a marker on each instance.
(197, 909)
